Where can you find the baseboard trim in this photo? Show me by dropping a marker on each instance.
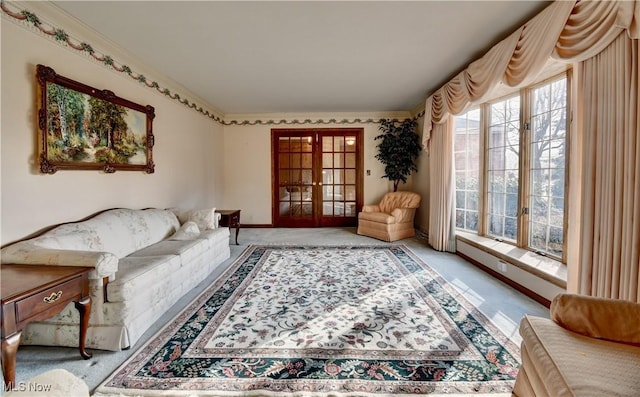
(526, 291)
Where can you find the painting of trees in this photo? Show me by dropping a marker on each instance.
(67, 108)
(107, 120)
(104, 137)
(82, 127)
(112, 132)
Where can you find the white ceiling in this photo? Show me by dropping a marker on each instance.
(304, 56)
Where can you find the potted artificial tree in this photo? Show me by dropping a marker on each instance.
(399, 149)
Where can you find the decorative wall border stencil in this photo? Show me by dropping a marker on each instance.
(65, 39)
(81, 127)
(307, 121)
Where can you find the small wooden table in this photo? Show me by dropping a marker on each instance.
(230, 218)
(37, 292)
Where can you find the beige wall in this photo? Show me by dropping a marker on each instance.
(247, 163)
(198, 161)
(420, 185)
(188, 151)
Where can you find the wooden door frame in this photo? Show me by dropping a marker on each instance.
(317, 188)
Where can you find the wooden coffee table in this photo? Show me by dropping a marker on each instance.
(35, 293)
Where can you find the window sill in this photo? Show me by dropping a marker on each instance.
(543, 267)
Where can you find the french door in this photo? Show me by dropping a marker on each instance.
(317, 176)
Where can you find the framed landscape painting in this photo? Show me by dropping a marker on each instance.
(81, 127)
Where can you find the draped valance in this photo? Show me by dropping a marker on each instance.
(569, 31)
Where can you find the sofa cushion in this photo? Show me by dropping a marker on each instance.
(119, 231)
(205, 218)
(611, 319)
(181, 213)
(399, 199)
(137, 274)
(186, 249)
(575, 365)
(214, 235)
(188, 231)
(379, 217)
(69, 238)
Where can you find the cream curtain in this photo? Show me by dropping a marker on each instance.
(570, 31)
(609, 252)
(442, 191)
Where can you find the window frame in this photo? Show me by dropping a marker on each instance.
(524, 172)
(527, 145)
(486, 113)
(479, 209)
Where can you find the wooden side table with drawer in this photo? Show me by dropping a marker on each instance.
(35, 293)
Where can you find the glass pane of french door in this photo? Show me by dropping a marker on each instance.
(295, 176)
(338, 176)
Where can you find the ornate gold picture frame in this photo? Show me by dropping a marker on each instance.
(84, 128)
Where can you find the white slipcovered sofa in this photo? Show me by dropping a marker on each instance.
(143, 260)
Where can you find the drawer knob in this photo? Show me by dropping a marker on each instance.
(53, 297)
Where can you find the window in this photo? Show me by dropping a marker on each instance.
(547, 167)
(515, 190)
(467, 139)
(503, 158)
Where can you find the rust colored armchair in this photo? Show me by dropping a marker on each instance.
(392, 218)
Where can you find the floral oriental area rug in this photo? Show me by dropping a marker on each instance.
(324, 320)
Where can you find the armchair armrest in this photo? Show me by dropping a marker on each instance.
(403, 215)
(609, 319)
(371, 208)
(105, 264)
